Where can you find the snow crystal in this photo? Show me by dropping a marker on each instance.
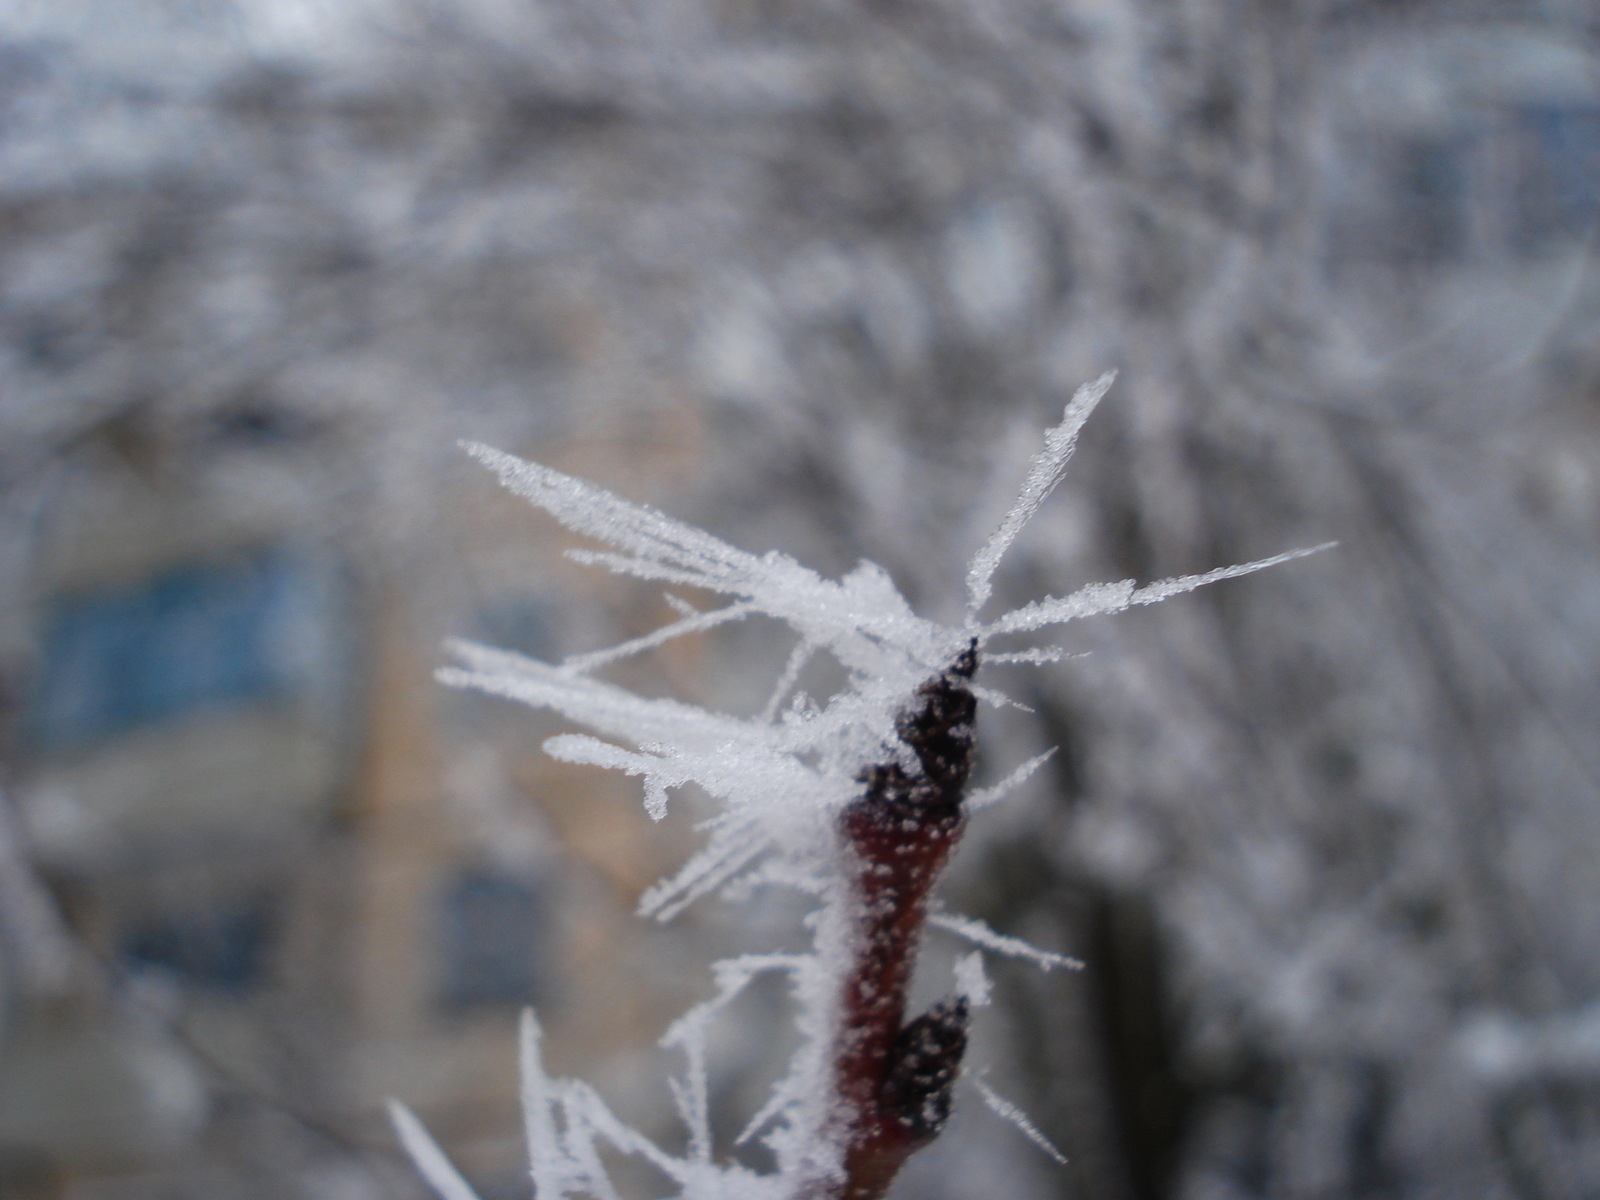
(1046, 471)
(980, 934)
(984, 797)
(431, 1162)
(971, 979)
(1008, 1111)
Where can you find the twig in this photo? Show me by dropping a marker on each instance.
(893, 1080)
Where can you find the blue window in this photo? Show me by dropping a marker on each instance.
(200, 636)
(1560, 184)
(222, 948)
(493, 935)
(523, 624)
(1430, 185)
(1403, 199)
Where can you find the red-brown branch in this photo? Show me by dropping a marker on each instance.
(892, 1080)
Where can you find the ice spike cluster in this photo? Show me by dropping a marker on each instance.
(808, 791)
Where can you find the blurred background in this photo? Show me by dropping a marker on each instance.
(815, 275)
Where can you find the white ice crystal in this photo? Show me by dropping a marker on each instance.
(781, 778)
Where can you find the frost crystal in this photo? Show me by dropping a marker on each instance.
(811, 796)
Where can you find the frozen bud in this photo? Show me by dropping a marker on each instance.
(939, 728)
(923, 1068)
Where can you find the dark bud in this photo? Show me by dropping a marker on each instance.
(923, 1067)
(939, 727)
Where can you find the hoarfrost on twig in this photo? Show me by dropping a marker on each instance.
(783, 784)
